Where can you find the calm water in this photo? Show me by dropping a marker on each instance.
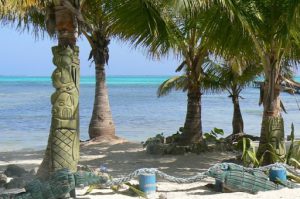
(137, 112)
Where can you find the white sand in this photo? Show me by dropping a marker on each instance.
(121, 158)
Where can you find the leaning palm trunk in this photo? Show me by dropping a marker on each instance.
(272, 130)
(237, 120)
(63, 142)
(101, 123)
(192, 130)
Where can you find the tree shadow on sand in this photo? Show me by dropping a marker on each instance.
(124, 158)
(27, 159)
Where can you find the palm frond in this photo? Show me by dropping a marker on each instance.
(140, 22)
(240, 75)
(209, 81)
(174, 83)
(26, 15)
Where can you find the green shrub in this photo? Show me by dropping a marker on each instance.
(158, 139)
(212, 136)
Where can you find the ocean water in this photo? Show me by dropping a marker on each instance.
(25, 110)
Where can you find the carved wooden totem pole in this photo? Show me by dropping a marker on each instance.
(63, 143)
(64, 138)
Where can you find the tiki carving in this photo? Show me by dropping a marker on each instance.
(275, 135)
(64, 136)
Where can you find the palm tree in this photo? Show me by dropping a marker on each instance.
(234, 78)
(98, 36)
(101, 28)
(177, 32)
(204, 81)
(272, 28)
(61, 22)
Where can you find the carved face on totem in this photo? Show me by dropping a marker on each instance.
(64, 106)
(277, 137)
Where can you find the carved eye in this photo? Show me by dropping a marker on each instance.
(61, 103)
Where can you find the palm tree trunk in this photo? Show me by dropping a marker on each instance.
(237, 120)
(272, 129)
(63, 142)
(192, 130)
(101, 123)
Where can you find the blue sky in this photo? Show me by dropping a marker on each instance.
(22, 55)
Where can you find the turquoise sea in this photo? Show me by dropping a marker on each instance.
(25, 109)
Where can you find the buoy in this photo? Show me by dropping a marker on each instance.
(147, 183)
(277, 173)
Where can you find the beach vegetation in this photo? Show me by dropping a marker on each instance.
(249, 156)
(213, 135)
(212, 141)
(250, 159)
(133, 190)
(249, 151)
(158, 139)
(127, 188)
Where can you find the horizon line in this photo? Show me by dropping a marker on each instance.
(89, 75)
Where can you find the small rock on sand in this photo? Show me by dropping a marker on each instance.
(13, 170)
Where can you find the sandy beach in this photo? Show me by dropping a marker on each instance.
(121, 158)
